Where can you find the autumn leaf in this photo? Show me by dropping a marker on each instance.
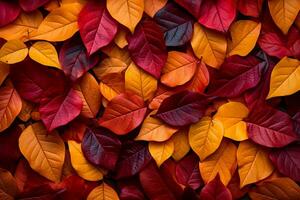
(151, 7)
(161, 151)
(109, 66)
(215, 189)
(4, 71)
(13, 51)
(103, 192)
(181, 144)
(10, 12)
(9, 188)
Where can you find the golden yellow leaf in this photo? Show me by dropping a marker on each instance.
(4, 71)
(13, 51)
(108, 92)
(179, 69)
(181, 144)
(140, 82)
(126, 12)
(231, 115)
(284, 13)
(114, 51)
(281, 188)
(205, 136)
(155, 130)
(45, 54)
(161, 151)
(253, 163)
(90, 94)
(23, 27)
(10, 106)
(209, 45)
(8, 185)
(103, 192)
(152, 6)
(120, 38)
(83, 168)
(244, 34)
(112, 85)
(222, 162)
(109, 66)
(44, 151)
(60, 24)
(285, 78)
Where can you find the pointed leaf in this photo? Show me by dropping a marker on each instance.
(109, 66)
(13, 51)
(161, 151)
(215, 190)
(103, 192)
(152, 6)
(181, 144)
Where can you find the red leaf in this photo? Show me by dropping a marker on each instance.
(217, 14)
(9, 12)
(215, 190)
(97, 28)
(31, 5)
(287, 161)
(75, 131)
(193, 7)
(60, 110)
(182, 109)
(147, 47)
(250, 7)
(123, 113)
(101, 147)
(74, 59)
(176, 25)
(131, 190)
(270, 127)
(133, 158)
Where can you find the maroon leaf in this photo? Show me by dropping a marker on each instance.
(187, 172)
(97, 28)
(215, 190)
(33, 81)
(101, 147)
(133, 158)
(31, 5)
(176, 25)
(131, 190)
(193, 7)
(74, 59)
(287, 161)
(270, 127)
(60, 110)
(147, 47)
(237, 74)
(250, 7)
(9, 12)
(182, 109)
(217, 14)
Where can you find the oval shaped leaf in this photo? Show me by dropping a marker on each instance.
(10, 11)
(181, 144)
(161, 151)
(215, 189)
(103, 192)
(13, 51)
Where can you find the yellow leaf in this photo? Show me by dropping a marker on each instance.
(140, 82)
(44, 53)
(161, 151)
(13, 51)
(285, 78)
(83, 168)
(253, 162)
(4, 71)
(103, 192)
(8, 185)
(205, 136)
(155, 130)
(44, 151)
(112, 85)
(284, 13)
(108, 92)
(179, 69)
(152, 6)
(109, 66)
(114, 51)
(244, 34)
(181, 144)
(23, 27)
(120, 39)
(209, 45)
(231, 115)
(222, 162)
(60, 24)
(126, 12)
(90, 94)
(281, 188)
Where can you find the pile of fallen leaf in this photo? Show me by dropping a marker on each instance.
(149, 99)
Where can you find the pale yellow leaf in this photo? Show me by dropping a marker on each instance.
(161, 151)
(13, 51)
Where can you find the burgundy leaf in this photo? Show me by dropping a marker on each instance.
(60, 110)
(250, 7)
(187, 172)
(192, 6)
(74, 59)
(97, 28)
(133, 158)
(176, 25)
(9, 12)
(189, 194)
(237, 74)
(217, 14)
(287, 161)
(270, 127)
(182, 109)
(31, 5)
(101, 147)
(147, 47)
(131, 190)
(215, 190)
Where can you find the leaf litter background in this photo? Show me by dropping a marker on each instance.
(150, 99)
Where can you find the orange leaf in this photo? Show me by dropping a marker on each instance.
(161, 151)
(8, 185)
(181, 144)
(152, 6)
(4, 71)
